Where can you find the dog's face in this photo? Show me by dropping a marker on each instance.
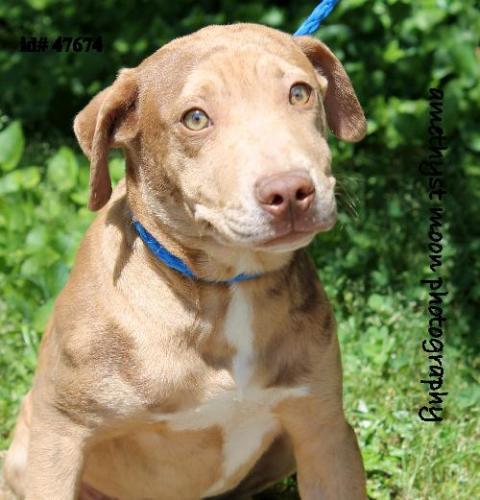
(225, 131)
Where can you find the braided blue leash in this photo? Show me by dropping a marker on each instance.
(313, 21)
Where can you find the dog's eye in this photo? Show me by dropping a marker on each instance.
(300, 93)
(196, 119)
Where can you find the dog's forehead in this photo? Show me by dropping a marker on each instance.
(240, 68)
(241, 48)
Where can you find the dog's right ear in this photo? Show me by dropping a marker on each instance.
(109, 120)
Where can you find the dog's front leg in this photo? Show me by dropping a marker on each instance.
(329, 464)
(55, 456)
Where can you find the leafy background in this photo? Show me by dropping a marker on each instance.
(371, 263)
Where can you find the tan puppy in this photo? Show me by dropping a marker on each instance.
(155, 385)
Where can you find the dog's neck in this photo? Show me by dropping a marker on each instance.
(206, 258)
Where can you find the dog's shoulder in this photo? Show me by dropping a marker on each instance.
(295, 323)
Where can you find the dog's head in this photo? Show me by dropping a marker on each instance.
(225, 136)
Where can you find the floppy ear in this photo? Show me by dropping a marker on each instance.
(109, 120)
(344, 114)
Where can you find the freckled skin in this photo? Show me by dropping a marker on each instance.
(145, 386)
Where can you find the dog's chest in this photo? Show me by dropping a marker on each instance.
(225, 423)
(237, 403)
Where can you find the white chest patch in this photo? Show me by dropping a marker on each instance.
(239, 334)
(242, 410)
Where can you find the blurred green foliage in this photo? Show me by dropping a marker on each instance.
(371, 263)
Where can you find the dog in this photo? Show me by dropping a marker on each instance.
(192, 353)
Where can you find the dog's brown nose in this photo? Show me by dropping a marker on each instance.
(289, 192)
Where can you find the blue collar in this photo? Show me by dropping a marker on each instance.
(174, 262)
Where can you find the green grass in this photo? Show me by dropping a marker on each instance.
(405, 457)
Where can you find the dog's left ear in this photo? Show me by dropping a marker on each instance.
(108, 121)
(344, 114)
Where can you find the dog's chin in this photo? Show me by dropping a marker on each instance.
(286, 243)
(289, 242)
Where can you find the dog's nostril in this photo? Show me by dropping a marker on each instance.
(302, 193)
(277, 200)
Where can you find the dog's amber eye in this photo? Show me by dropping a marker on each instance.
(196, 119)
(300, 93)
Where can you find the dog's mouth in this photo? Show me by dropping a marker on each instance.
(280, 238)
(231, 229)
